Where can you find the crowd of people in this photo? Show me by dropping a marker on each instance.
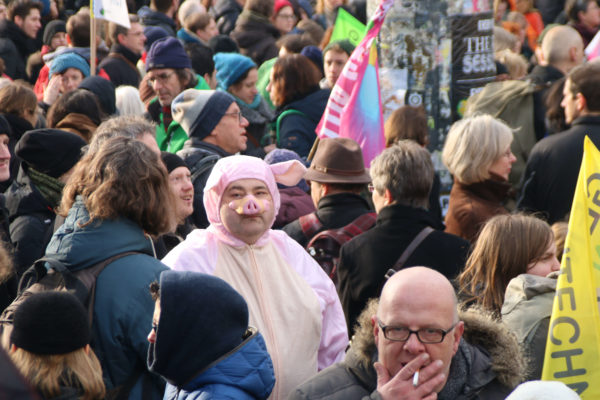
(239, 256)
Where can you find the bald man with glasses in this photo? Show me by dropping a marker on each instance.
(411, 345)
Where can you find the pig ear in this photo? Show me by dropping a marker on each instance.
(288, 173)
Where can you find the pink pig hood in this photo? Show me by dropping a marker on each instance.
(233, 168)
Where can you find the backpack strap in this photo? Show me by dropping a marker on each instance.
(282, 116)
(360, 224)
(310, 224)
(203, 165)
(408, 251)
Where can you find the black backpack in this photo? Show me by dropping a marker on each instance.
(58, 277)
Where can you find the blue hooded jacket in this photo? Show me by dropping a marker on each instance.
(203, 346)
(123, 306)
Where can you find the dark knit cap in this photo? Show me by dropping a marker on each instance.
(223, 44)
(314, 54)
(172, 161)
(52, 29)
(153, 33)
(50, 151)
(104, 90)
(50, 323)
(5, 127)
(199, 111)
(200, 315)
(167, 53)
(344, 44)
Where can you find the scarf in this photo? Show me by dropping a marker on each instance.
(457, 377)
(50, 188)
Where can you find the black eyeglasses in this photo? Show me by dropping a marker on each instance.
(239, 115)
(425, 335)
(154, 327)
(162, 78)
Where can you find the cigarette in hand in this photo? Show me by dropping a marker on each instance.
(416, 379)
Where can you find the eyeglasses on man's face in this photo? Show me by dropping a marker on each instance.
(238, 114)
(425, 335)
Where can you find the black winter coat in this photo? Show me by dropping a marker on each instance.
(120, 66)
(150, 17)
(334, 211)
(31, 221)
(15, 47)
(365, 259)
(226, 13)
(297, 131)
(552, 169)
(256, 37)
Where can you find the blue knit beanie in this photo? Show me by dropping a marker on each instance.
(167, 53)
(314, 54)
(69, 60)
(230, 66)
(153, 33)
(199, 111)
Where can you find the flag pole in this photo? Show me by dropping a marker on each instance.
(92, 44)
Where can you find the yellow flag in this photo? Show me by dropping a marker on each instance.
(573, 345)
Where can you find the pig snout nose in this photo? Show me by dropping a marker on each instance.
(251, 207)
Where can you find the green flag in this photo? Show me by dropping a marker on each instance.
(347, 27)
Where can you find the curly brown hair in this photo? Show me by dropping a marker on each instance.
(124, 178)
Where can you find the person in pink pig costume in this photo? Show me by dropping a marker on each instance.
(291, 300)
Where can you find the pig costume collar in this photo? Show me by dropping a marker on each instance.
(233, 168)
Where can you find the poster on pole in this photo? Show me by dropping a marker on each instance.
(112, 11)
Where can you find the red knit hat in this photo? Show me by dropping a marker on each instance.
(279, 4)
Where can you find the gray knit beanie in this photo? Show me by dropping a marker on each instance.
(199, 111)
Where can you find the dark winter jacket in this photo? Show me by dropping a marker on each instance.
(365, 259)
(489, 352)
(472, 205)
(31, 219)
(256, 37)
(120, 66)
(259, 122)
(334, 211)
(544, 77)
(15, 47)
(297, 131)
(295, 203)
(123, 306)
(226, 13)
(552, 169)
(200, 158)
(150, 17)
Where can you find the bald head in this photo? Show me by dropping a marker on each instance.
(419, 288)
(562, 48)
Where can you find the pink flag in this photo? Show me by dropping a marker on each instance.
(354, 108)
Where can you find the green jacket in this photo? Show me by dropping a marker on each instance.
(172, 138)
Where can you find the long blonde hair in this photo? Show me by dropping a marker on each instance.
(47, 373)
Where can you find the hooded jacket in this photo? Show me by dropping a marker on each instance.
(120, 66)
(224, 358)
(291, 300)
(226, 13)
(123, 306)
(297, 131)
(31, 219)
(489, 354)
(526, 311)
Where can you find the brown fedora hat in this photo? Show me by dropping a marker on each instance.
(338, 160)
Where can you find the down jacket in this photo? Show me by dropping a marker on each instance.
(493, 357)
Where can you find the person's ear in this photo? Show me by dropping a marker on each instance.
(580, 102)
(375, 328)
(459, 329)
(18, 20)
(387, 195)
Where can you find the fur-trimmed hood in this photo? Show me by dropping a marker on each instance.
(481, 330)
